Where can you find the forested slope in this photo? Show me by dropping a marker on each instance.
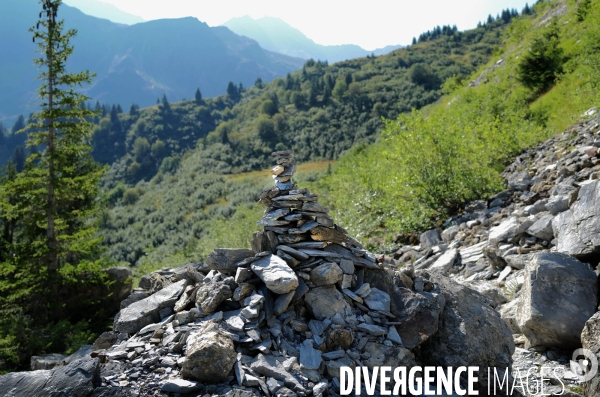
(166, 183)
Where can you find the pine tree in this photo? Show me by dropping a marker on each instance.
(52, 200)
(198, 97)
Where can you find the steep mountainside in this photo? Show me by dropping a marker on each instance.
(134, 64)
(275, 35)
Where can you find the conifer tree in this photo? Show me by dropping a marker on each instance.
(50, 203)
(198, 97)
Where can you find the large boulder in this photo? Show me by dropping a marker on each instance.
(73, 380)
(590, 339)
(210, 355)
(139, 314)
(577, 230)
(276, 274)
(470, 332)
(558, 296)
(417, 313)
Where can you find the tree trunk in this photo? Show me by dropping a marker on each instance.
(52, 261)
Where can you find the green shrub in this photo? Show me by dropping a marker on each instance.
(543, 63)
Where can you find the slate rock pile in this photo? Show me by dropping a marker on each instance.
(533, 249)
(282, 318)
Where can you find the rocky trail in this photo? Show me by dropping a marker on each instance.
(511, 282)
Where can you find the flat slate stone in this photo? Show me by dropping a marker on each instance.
(372, 329)
(293, 252)
(142, 313)
(347, 254)
(309, 357)
(226, 259)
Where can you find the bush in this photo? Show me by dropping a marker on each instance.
(421, 74)
(131, 196)
(543, 63)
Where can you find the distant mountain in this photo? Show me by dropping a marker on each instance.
(103, 10)
(276, 35)
(134, 64)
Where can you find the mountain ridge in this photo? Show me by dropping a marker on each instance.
(274, 34)
(104, 10)
(137, 63)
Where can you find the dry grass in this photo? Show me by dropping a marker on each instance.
(301, 168)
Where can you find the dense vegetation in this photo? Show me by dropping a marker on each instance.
(426, 164)
(166, 184)
(49, 250)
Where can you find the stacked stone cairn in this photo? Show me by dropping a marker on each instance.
(282, 318)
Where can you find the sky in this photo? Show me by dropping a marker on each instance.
(371, 24)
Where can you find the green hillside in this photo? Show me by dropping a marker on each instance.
(544, 76)
(167, 186)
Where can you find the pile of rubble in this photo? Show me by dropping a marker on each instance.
(282, 318)
(533, 250)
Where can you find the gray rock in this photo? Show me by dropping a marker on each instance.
(393, 356)
(473, 253)
(73, 380)
(558, 204)
(347, 254)
(509, 229)
(225, 259)
(82, 352)
(333, 366)
(326, 274)
(282, 302)
(519, 180)
(325, 302)
(542, 228)
(430, 238)
(186, 299)
(276, 274)
(518, 261)
(180, 386)
(449, 234)
(139, 314)
(210, 355)
(509, 313)
(347, 266)
(418, 328)
(372, 329)
(393, 335)
(309, 357)
(445, 262)
(210, 296)
(134, 297)
(47, 361)
(471, 332)
(577, 230)
(590, 340)
(495, 294)
(558, 296)
(270, 366)
(378, 300)
(153, 282)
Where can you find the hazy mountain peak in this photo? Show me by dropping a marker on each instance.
(277, 35)
(103, 10)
